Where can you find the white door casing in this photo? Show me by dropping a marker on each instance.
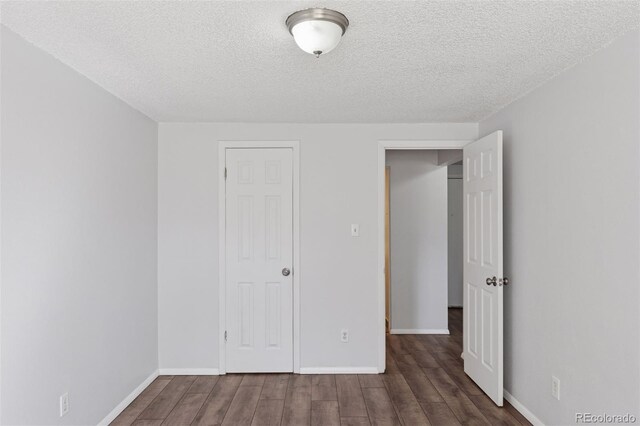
(258, 246)
(483, 299)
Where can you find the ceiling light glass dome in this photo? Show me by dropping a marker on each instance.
(317, 31)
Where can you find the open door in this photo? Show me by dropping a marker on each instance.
(483, 280)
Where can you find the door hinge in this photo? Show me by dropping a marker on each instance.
(225, 335)
(225, 173)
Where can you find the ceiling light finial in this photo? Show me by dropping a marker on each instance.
(317, 31)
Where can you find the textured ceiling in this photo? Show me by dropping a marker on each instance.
(400, 61)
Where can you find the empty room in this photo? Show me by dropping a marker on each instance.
(320, 213)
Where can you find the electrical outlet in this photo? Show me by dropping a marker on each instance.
(344, 335)
(555, 387)
(64, 404)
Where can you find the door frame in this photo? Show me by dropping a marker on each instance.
(222, 242)
(383, 146)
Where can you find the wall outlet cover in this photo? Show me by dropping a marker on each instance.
(555, 387)
(64, 404)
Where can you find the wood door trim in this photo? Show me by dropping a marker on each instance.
(387, 245)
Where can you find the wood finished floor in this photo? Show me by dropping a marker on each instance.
(424, 384)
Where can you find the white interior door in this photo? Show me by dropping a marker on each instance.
(259, 259)
(482, 299)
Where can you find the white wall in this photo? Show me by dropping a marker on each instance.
(418, 216)
(571, 174)
(79, 209)
(454, 223)
(339, 273)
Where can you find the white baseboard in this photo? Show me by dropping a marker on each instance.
(419, 331)
(128, 400)
(189, 372)
(339, 370)
(522, 409)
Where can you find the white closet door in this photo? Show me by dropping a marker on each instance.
(259, 259)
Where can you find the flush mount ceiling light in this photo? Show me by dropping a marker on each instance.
(316, 30)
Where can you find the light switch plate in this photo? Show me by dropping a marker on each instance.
(355, 230)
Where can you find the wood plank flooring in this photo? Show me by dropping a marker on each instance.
(424, 385)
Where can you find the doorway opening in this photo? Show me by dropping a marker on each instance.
(423, 240)
(482, 319)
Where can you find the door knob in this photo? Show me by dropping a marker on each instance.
(504, 281)
(286, 272)
(493, 281)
